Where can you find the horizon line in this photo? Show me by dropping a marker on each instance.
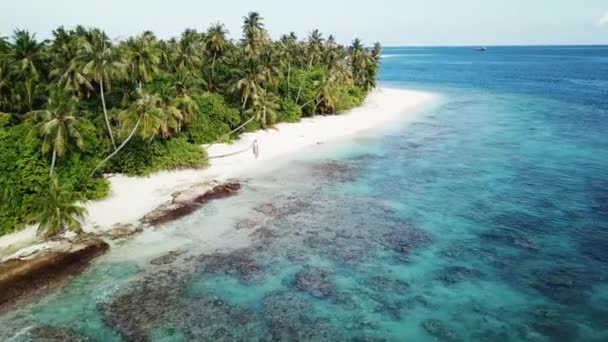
(497, 45)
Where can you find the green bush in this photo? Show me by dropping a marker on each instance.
(176, 153)
(289, 111)
(309, 80)
(140, 158)
(252, 126)
(214, 120)
(5, 119)
(350, 97)
(25, 172)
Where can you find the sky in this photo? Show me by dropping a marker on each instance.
(391, 22)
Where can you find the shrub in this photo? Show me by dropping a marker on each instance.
(309, 81)
(350, 97)
(139, 158)
(289, 111)
(214, 119)
(5, 119)
(25, 172)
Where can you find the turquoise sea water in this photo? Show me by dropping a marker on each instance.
(485, 219)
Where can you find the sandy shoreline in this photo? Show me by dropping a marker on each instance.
(133, 197)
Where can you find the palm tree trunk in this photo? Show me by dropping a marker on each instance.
(105, 112)
(288, 77)
(302, 83)
(242, 125)
(233, 131)
(212, 68)
(245, 102)
(306, 104)
(119, 147)
(28, 90)
(53, 160)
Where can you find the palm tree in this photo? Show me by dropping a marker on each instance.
(170, 54)
(171, 119)
(27, 59)
(71, 79)
(287, 46)
(5, 86)
(315, 44)
(360, 63)
(268, 68)
(185, 85)
(264, 108)
(374, 66)
(100, 63)
(215, 44)
(377, 51)
(142, 58)
(190, 50)
(249, 83)
(63, 48)
(57, 126)
(3, 43)
(143, 117)
(331, 51)
(57, 211)
(254, 33)
(327, 95)
(64, 70)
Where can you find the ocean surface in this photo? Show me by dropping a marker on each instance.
(484, 219)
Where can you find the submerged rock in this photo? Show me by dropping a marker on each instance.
(290, 317)
(563, 285)
(440, 330)
(124, 231)
(456, 274)
(149, 303)
(334, 171)
(388, 285)
(283, 207)
(21, 277)
(552, 324)
(404, 237)
(526, 244)
(248, 224)
(188, 201)
(166, 259)
(240, 262)
(511, 238)
(315, 281)
(340, 248)
(49, 333)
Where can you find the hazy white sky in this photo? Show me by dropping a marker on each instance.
(392, 22)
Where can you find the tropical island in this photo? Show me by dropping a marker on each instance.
(102, 138)
(82, 105)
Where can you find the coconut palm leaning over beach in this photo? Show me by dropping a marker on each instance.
(58, 212)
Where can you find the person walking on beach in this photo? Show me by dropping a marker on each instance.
(256, 151)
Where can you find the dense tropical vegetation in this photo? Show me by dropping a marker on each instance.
(81, 104)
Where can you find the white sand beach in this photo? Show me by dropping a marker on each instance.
(133, 197)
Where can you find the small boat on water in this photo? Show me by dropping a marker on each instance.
(481, 49)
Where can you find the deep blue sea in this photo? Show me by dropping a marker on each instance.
(484, 219)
